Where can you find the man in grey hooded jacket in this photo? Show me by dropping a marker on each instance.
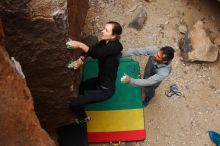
(158, 67)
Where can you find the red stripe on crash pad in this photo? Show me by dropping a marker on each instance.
(116, 136)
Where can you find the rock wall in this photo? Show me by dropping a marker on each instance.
(35, 34)
(19, 124)
(76, 16)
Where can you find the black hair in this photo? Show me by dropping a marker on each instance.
(168, 52)
(117, 29)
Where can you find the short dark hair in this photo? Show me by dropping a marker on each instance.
(168, 52)
(117, 29)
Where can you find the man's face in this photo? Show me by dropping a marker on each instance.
(159, 57)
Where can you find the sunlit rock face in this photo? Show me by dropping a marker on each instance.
(19, 124)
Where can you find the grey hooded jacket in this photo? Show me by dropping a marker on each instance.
(154, 73)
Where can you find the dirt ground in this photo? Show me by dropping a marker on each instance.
(178, 120)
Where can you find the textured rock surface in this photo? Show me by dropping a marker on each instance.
(76, 16)
(35, 34)
(203, 48)
(199, 45)
(18, 122)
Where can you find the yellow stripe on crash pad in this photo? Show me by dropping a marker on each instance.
(115, 120)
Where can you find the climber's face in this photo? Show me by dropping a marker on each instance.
(107, 33)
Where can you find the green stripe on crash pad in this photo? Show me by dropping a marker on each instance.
(126, 96)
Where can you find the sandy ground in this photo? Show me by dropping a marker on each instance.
(174, 121)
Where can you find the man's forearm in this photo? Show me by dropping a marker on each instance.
(148, 51)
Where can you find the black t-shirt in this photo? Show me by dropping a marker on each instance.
(108, 55)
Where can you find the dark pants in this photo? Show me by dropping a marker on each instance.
(150, 92)
(95, 94)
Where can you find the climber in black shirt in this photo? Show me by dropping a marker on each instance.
(108, 53)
